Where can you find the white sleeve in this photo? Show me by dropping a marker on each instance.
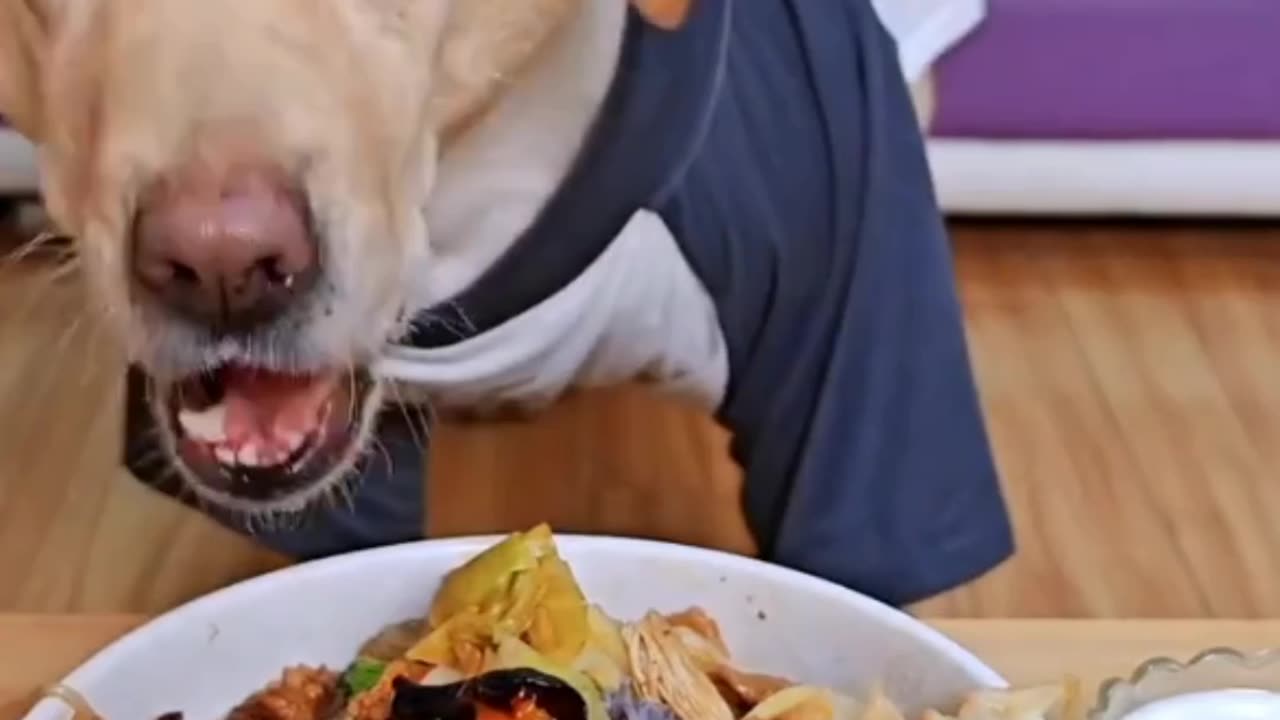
(926, 29)
(637, 312)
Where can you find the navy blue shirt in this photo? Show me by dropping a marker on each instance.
(778, 142)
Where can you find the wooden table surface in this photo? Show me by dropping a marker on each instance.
(39, 649)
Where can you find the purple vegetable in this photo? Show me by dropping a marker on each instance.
(624, 705)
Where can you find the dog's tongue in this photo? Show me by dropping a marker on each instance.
(265, 406)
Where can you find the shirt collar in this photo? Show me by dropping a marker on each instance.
(649, 125)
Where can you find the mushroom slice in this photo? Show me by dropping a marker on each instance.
(521, 692)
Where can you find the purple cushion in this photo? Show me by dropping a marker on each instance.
(1113, 69)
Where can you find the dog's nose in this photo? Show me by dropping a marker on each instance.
(229, 254)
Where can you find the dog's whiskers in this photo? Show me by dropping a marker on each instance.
(468, 325)
(461, 328)
(386, 455)
(41, 241)
(154, 457)
(66, 336)
(352, 400)
(344, 491)
(418, 437)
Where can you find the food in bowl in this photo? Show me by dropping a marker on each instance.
(510, 635)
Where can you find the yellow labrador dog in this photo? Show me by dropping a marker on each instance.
(285, 206)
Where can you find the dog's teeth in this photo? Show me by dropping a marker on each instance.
(292, 441)
(248, 456)
(208, 425)
(225, 455)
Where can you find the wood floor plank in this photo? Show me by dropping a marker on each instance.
(1128, 373)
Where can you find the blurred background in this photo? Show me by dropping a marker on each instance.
(1111, 171)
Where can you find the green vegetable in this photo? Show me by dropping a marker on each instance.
(363, 674)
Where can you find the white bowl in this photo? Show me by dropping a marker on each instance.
(208, 655)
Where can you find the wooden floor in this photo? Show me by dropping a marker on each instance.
(1131, 376)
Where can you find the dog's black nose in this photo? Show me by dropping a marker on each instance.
(228, 250)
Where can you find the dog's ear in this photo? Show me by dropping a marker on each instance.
(666, 14)
(21, 52)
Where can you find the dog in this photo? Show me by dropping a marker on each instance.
(295, 212)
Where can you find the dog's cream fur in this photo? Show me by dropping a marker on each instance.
(494, 177)
(426, 136)
(356, 98)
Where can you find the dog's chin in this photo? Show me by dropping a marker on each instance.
(257, 441)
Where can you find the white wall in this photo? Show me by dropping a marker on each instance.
(17, 164)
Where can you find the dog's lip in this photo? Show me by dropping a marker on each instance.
(312, 461)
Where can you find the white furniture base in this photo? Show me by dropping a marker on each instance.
(978, 177)
(1123, 178)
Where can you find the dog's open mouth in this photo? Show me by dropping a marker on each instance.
(261, 436)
